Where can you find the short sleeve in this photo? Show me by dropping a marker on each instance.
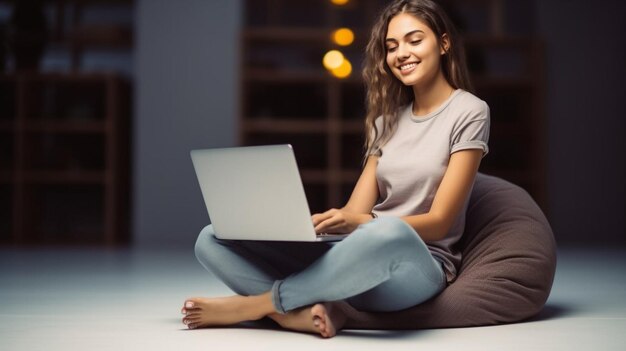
(472, 131)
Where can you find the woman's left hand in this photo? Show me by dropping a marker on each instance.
(338, 221)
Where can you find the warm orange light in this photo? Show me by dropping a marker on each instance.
(339, 2)
(343, 36)
(343, 70)
(333, 59)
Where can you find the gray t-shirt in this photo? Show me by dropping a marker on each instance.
(413, 162)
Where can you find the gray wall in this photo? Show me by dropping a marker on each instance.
(585, 108)
(185, 97)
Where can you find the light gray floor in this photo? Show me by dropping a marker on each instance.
(93, 299)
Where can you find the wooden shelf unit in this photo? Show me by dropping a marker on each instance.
(288, 97)
(69, 27)
(64, 160)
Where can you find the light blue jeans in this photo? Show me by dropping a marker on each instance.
(382, 266)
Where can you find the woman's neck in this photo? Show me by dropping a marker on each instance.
(430, 96)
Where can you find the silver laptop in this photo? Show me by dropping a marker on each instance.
(255, 193)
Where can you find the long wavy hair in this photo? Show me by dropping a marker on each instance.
(386, 94)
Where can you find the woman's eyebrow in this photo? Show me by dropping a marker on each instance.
(406, 35)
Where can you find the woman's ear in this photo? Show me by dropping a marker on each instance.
(445, 44)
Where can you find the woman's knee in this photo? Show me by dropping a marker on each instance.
(391, 230)
(205, 239)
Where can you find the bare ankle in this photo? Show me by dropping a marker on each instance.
(278, 318)
(261, 305)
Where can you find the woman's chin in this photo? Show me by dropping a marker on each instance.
(409, 81)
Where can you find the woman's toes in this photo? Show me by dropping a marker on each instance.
(320, 319)
(192, 322)
(324, 331)
(322, 326)
(188, 306)
(319, 312)
(331, 319)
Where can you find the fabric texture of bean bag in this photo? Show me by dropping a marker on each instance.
(507, 270)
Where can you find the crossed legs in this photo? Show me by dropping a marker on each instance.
(382, 266)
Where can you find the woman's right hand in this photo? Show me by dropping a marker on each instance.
(338, 221)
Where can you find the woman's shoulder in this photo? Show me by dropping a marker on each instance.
(470, 103)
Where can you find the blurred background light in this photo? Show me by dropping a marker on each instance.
(333, 59)
(343, 70)
(339, 2)
(343, 36)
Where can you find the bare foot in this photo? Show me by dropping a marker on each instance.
(203, 312)
(300, 319)
(323, 319)
(330, 318)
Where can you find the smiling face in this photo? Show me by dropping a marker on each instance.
(413, 52)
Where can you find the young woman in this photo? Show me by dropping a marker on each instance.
(426, 135)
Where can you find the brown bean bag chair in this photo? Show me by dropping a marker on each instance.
(509, 259)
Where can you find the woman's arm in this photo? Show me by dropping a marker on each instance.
(357, 210)
(365, 191)
(451, 194)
